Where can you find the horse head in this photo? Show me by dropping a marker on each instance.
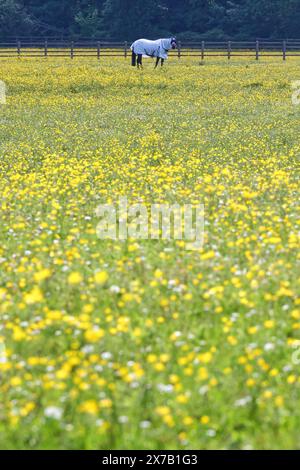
(173, 43)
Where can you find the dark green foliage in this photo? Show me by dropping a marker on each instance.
(13, 18)
(130, 19)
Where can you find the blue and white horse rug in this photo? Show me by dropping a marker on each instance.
(158, 49)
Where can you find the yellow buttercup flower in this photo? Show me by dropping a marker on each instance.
(34, 296)
(90, 407)
(204, 419)
(94, 335)
(75, 278)
(101, 277)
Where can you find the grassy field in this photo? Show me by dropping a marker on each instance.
(143, 344)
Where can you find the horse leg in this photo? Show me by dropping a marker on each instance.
(162, 62)
(133, 59)
(157, 62)
(140, 61)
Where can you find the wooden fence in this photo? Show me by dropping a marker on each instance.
(25, 48)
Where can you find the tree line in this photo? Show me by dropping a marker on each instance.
(130, 19)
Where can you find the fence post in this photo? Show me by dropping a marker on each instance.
(19, 48)
(179, 49)
(257, 50)
(229, 50)
(98, 50)
(202, 50)
(46, 48)
(284, 50)
(72, 50)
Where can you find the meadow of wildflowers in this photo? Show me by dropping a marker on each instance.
(141, 344)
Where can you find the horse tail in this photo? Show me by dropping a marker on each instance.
(133, 59)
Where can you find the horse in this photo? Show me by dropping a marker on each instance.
(158, 49)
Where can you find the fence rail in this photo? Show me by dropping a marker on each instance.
(26, 48)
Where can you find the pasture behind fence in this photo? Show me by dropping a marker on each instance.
(31, 48)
